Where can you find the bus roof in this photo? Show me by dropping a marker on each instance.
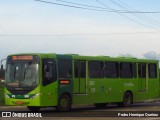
(82, 57)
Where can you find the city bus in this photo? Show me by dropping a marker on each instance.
(63, 80)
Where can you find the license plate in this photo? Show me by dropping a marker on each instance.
(19, 102)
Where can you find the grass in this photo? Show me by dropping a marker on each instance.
(1, 94)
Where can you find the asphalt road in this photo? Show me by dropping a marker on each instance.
(143, 111)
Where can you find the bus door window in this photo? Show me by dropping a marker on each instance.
(80, 77)
(76, 69)
(139, 71)
(49, 71)
(142, 77)
(79, 69)
(64, 68)
(143, 70)
(83, 70)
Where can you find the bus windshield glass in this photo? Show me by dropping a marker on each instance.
(22, 74)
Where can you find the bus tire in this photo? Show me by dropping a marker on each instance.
(127, 100)
(64, 103)
(33, 108)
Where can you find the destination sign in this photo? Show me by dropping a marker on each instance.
(26, 57)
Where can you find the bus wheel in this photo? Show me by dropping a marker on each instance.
(127, 100)
(64, 103)
(33, 108)
(100, 105)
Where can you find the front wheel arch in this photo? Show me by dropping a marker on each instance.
(64, 103)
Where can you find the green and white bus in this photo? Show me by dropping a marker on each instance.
(45, 80)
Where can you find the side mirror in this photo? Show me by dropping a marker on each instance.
(2, 72)
(1, 67)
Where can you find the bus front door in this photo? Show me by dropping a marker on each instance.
(142, 84)
(80, 77)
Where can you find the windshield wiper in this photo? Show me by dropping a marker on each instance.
(29, 63)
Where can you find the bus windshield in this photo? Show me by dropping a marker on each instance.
(22, 74)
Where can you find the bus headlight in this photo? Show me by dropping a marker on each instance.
(26, 96)
(36, 95)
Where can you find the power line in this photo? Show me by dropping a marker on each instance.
(91, 34)
(73, 6)
(143, 16)
(114, 10)
(88, 7)
(125, 16)
(135, 14)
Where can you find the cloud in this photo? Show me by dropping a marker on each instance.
(152, 55)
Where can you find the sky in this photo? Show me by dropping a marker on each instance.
(85, 27)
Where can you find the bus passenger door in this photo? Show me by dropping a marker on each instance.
(142, 83)
(80, 77)
(49, 74)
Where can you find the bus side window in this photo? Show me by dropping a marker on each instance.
(112, 70)
(152, 70)
(126, 70)
(49, 71)
(134, 71)
(96, 69)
